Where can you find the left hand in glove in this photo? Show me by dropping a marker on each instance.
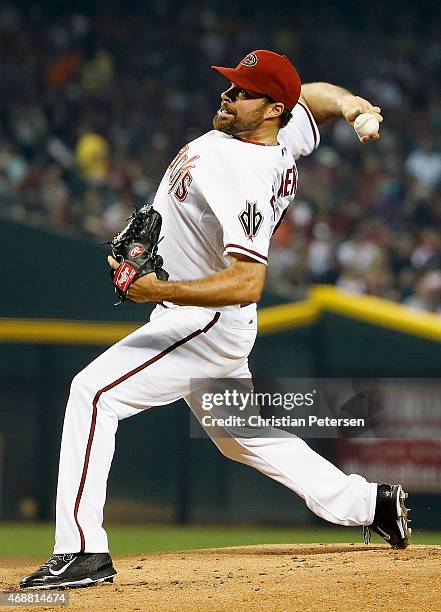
(135, 252)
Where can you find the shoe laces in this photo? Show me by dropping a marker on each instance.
(54, 559)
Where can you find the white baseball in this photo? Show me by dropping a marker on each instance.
(366, 124)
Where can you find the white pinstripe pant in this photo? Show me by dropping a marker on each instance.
(153, 366)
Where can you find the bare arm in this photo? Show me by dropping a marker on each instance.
(326, 101)
(240, 283)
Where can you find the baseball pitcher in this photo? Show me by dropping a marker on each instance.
(221, 199)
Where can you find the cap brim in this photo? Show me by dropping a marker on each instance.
(237, 77)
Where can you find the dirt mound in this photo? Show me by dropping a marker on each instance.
(271, 577)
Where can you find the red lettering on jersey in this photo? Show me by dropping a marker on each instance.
(181, 191)
(287, 186)
(295, 181)
(288, 182)
(290, 186)
(180, 177)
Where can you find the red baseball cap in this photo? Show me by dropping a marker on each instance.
(268, 73)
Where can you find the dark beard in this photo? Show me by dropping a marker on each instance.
(237, 126)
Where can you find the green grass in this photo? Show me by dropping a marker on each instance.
(36, 540)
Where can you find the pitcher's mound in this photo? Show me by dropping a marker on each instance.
(270, 577)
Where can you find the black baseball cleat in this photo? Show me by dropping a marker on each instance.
(390, 520)
(71, 571)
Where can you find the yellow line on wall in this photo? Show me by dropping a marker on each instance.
(377, 311)
(42, 331)
(274, 319)
(287, 316)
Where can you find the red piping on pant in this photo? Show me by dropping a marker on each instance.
(168, 350)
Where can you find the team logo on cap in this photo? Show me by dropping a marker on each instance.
(250, 60)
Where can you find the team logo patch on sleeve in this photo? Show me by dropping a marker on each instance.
(251, 219)
(250, 60)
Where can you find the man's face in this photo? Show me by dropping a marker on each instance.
(241, 111)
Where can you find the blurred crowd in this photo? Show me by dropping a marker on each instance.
(94, 105)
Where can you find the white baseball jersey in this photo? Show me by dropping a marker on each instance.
(224, 195)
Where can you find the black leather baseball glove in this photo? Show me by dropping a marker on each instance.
(136, 248)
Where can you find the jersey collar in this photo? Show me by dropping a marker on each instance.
(255, 142)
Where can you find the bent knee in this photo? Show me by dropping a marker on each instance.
(83, 382)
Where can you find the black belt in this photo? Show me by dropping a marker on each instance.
(240, 305)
